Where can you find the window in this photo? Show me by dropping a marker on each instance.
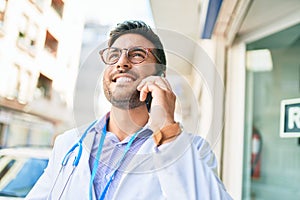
(19, 173)
(28, 33)
(23, 24)
(58, 6)
(7, 167)
(40, 4)
(51, 44)
(44, 87)
(3, 6)
(32, 37)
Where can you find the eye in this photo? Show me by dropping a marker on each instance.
(112, 55)
(137, 54)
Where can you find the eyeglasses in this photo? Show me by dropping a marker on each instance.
(135, 55)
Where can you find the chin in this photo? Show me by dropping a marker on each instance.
(127, 105)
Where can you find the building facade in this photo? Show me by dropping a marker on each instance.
(261, 41)
(255, 48)
(39, 56)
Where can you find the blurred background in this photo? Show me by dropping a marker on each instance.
(237, 82)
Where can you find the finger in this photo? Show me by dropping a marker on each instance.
(148, 87)
(141, 85)
(143, 92)
(151, 79)
(159, 81)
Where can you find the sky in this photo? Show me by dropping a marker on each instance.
(111, 12)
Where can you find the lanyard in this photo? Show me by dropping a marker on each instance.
(97, 160)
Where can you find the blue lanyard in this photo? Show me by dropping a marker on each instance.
(97, 160)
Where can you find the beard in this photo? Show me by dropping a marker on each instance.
(122, 97)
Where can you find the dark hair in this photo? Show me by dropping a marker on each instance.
(139, 27)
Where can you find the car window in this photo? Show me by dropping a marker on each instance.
(6, 167)
(20, 176)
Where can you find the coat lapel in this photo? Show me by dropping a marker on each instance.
(86, 171)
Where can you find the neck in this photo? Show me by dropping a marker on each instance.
(126, 122)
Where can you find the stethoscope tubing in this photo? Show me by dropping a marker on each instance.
(78, 157)
(75, 162)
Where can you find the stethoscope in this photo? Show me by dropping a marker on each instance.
(96, 164)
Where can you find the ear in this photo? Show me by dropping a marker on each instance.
(162, 74)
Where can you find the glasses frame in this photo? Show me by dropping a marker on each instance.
(147, 50)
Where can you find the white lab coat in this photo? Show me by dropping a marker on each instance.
(183, 169)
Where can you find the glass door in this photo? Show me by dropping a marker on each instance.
(271, 163)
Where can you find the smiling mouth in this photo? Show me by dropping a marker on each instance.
(122, 80)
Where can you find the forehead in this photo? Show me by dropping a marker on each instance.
(132, 39)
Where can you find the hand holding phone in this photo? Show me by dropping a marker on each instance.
(149, 95)
(156, 91)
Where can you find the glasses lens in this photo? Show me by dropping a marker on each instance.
(111, 55)
(137, 54)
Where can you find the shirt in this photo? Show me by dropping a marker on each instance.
(112, 152)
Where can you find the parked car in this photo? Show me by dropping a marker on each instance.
(20, 168)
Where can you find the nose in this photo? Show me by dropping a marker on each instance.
(123, 62)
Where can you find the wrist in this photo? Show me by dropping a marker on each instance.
(166, 134)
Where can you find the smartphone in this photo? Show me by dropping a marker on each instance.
(148, 101)
(149, 96)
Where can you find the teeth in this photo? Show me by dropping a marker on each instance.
(123, 80)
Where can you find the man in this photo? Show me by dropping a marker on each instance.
(137, 150)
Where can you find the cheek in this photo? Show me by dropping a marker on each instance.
(106, 76)
(147, 70)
